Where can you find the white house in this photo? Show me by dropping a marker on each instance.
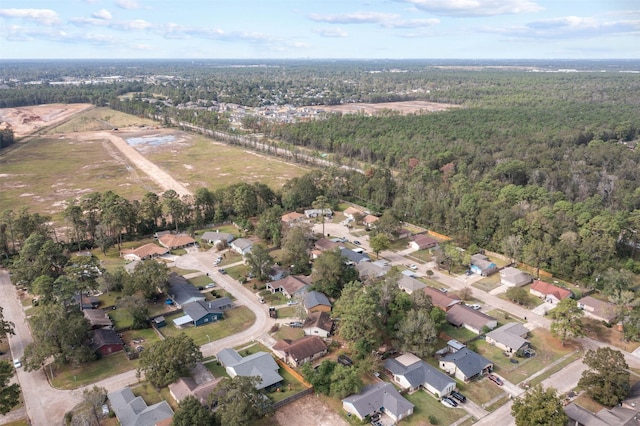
(514, 277)
(242, 246)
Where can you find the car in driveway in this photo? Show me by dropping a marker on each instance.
(413, 267)
(292, 302)
(345, 360)
(448, 402)
(210, 285)
(222, 271)
(356, 242)
(17, 363)
(295, 324)
(495, 379)
(443, 289)
(458, 396)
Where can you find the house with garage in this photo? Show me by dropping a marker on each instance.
(471, 319)
(481, 265)
(441, 300)
(318, 324)
(176, 241)
(410, 284)
(423, 242)
(371, 270)
(465, 364)
(511, 337)
(147, 251)
(353, 257)
(597, 309)
(351, 213)
(182, 291)
(292, 218)
(277, 272)
(382, 398)
(514, 277)
(300, 351)
(416, 374)
(370, 221)
(315, 301)
(97, 318)
(290, 286)
(199, 384)
(326, 244)
(242, 246)
(203, 312)
(106, 341)
(215, 238)
(131, 410)
(259, 364)
(548, 292)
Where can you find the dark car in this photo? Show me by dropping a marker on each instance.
(458, 396)
(495, 379)
(345, 360)
(356, 242)
(222, 271)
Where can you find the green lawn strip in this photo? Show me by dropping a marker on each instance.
(235, 321)
(121, 318)
(426, 406)
(21, 422)
(237, 272)
(290, 386)
(216, 369)
(480, 391)
(148, 392)
(178, 252)
(181, 271)
(558, 367)
(288, 312)
(72, 377)
(200, 281)
(499, 403)
(286, 332)
(273, 298)
(460, 334)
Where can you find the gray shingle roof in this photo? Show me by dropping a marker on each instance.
(201, 308)
(420, 373)
(315, 298)
(373, 397)
(509, 335)
(353, 256)
(182, 291)
(467, 361)
(133, 411)
(260, 364)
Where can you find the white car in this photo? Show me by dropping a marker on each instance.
(447, 403)
(210, 285)
(17, 363)
(413, 266)
(292, 302)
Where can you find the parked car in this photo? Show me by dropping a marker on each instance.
(356, 242)
(292, 302)
(444, 290)
(474, 306)
(345, 360)
(458, 396)
(17, 363)
(495, 379)
(222, 271)
(210, 285)
(295, 324)
(447, 402)
(413, 266)
(451, 400)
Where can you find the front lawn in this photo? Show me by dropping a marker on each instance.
(288, 312)
(73, 377)
(235, 321)
(273, 299)
(600, 332)
(286, 332)
(200, 281)
(480, 391)
(428, 407)
(460, 334)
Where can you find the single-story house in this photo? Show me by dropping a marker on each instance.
(465, 364)
(147, 251)
(260, 364)
(402, 233)
(352, 257)
(88, 302)
(313, 213)
(371, 270)
(182, 291)
(410, 284)
(131, 410)
(277, 272)
(481, 265)
(469, 318)
(370, 221)
(351, 212)
(379, 397)
(326, 244)
(106, 341)
(441, 300)
(511, 337)
(292, 217)
(242, 246)
(514, 277)
(616, 416)
(217, 237)
(318, 324)
(203, 312)
(290, 286)
(418, 375)
(199, 385)
(97, 318)
(300, 351)
(314, 301)
(423, 242)
(600, 310)
(549, 292)
(176, 241)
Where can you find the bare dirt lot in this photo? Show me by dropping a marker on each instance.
(26, 120)
(308, 411)
(408, 107)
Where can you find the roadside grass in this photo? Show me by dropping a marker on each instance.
(400, 244)
(73, 377)
(427, 406)
(288, 312)
(286, 332)
(101, 118)
(480, 391)
(611, 335)
(200, 281)
(488, 283)
(42, 174)
(238, 272)
(181, 271)
(235, 321)
(21, 422)
(499, 403)
(192, 163)
(229, 257)
(460, 334)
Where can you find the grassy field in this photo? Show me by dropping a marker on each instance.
(73, 377)
(101, 119)
(235, 321)
(286, 332)
(426, 407)
(188, 159)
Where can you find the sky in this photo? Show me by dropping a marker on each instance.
(320, 29)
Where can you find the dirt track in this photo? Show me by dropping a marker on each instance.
(27, 120)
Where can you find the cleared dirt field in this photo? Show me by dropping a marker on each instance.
(308, 411)
(27, 120)
(408, 107)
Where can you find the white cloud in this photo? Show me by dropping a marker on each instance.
(331, 32)
(128, 4)
(102, 14)
(569, 27)
(136, 24)
(475, 7)
(41, 16)
(411, 23)
(354, 18)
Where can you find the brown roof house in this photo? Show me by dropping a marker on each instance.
(176, 241)
(106, 341)
(200, 385)
(469, 318)
(147, 251)
(318, 324)
(511, 337)
(441, 300)
(290, 285)
(514, 277)
(370, 221)
(97, 318)
(423, 242)
(410, 284)
(549, 292)
(351, 212)
(299, 351)
(292, 218)
(600, 310)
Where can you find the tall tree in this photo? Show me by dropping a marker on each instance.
(260, 261)
(167, 360)
(239, 402)
(358, 319)
(539, 407)
(417, 333)
(330, 273)
(136, 306)
(566, 320)
(148, 278)
(379, 242)
(191, 413)
(269, 227)
(608, 379)
(296, 249)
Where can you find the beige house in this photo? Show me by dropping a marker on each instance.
(510, 337)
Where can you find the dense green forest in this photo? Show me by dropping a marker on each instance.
(543, 166)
